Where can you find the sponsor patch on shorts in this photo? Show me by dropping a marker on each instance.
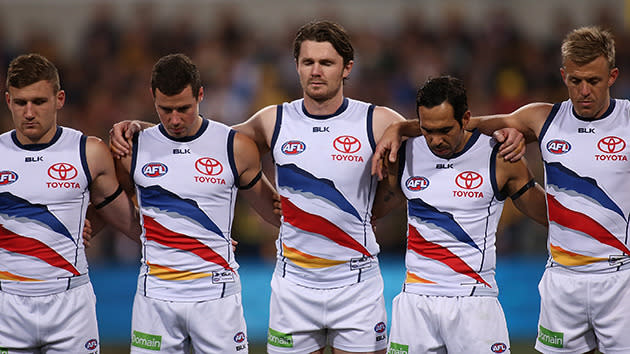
(146, 341)
(360, 263)
(279, 339)
(395, 348)
(550, 338)
(221, 277)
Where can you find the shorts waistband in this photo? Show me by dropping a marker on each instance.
(41, 288)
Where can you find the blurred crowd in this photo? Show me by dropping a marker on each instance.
(107, 80)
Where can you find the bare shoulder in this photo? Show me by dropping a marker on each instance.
(98, 156)
(383, 117)
(536, 111)
(95, 146)
(387, 115)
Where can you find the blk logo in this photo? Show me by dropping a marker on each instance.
(611, 144)
(415, 184)
(208, 166)
(468, 180)
(347, 144)
(62, 171)
(558, 146)
(293, 147)
(154, 169)
(34, 159)
(7, 177)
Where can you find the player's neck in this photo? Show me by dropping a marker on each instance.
(323, 108)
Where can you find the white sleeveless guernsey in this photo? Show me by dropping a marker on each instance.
(453, 209)
(43, 199)
(323, 176)
(186, 193)
(587, 177)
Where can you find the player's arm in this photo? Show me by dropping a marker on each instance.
(252, 182)
(260, 127)
(107, 197)
(516, 180)
(121, 133)
(388, 193)
(528, 119)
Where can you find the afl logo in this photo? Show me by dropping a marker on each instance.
(154, 169)
(62, 171)
(611, 144)
(347, 144)
(380, 327)
(558, 147)
(239, 337)
(208, 166)
(498, 347)
(293, 147)
(416, 183)
(468, 180)
(7, 177)
(91, 344)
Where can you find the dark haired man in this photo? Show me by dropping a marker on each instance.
(449, 300)
(186, 173)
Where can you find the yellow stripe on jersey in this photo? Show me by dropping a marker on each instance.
(11, 276)
(167, 273)
(569, 258)
(412, 278)
(306, 260)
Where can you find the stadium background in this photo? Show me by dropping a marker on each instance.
(507, 52)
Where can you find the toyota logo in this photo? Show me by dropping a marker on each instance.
(208, 166)
(469, 180)
(611, 144)
(62, 171)
(347, 144)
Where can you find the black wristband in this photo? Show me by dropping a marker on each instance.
(109, 198)
(523, 189)
(253, 182)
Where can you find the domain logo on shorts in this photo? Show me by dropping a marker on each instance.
(395, 348)
(146, 341)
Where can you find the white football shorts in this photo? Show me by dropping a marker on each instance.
(215, 326)
(60, 323)
(441, 324)
(583, 311)
(351, 318)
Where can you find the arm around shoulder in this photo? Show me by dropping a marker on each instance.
(253, 184)
(110, 201)
(528, 119)
(260, 127)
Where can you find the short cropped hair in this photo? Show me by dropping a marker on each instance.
(444, 88)
(325, 31)
(28, 69)
(173, 73)
(585, 44)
